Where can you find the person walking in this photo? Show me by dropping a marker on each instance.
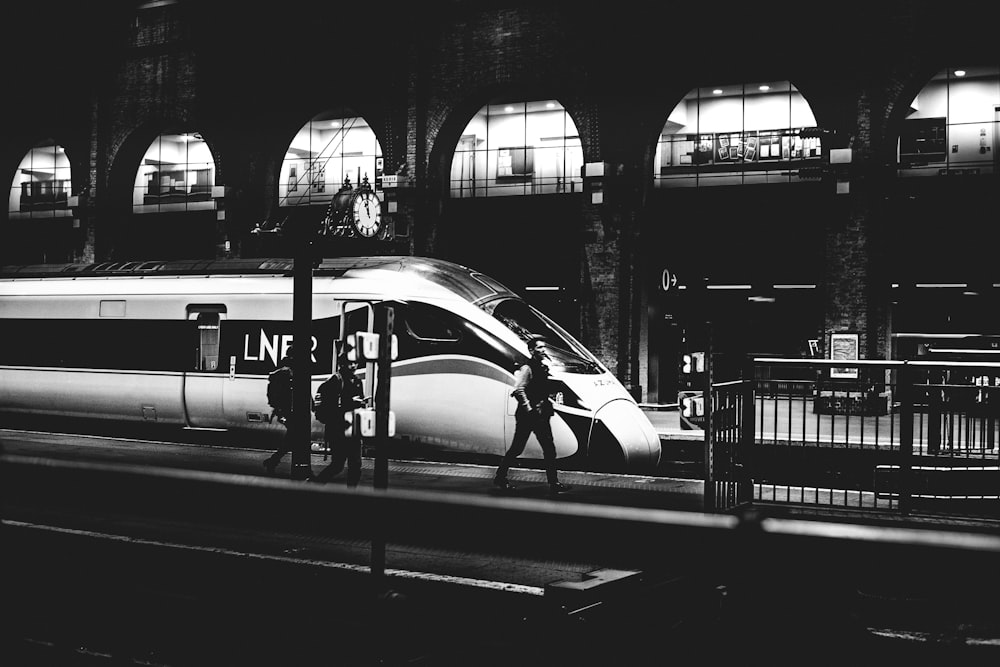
(534, 409)
(341, 394)
(279, 397)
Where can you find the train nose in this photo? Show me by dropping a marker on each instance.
(623, 431)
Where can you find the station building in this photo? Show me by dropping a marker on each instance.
(810, 181)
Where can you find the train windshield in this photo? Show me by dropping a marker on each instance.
(565, 352)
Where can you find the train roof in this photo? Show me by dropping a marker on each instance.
(462, 281)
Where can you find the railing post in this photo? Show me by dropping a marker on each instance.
(905, 389)
(935, 408)
(748, 414)
(709, 489)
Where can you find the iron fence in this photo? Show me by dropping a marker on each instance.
(875, 435)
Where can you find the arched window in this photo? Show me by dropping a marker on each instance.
(42, 184)
(739, 134)
(334, 148)
(953, 126)
(176, 174)
(520, 148)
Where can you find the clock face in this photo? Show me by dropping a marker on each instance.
(367, 214)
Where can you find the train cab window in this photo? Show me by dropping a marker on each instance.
(209, 325)
(429, 327)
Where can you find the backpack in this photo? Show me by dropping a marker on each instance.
(327, 403)
(279, 389)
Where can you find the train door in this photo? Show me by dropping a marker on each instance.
(204, 379)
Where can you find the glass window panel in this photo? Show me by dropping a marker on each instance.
(41, 184)
(176, 173)
(334, 148)
(953, 126)
(517, 149)
(725, 135)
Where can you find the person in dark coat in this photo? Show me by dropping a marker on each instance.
(279, 397)
(534, 410)
(342, 393)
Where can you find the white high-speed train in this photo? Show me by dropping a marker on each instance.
(190, 344)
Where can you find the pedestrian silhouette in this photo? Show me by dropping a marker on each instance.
(338, 397)
(279, 397)
(534, 410)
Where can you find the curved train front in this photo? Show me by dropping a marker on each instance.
(609, 431)
(597, 424)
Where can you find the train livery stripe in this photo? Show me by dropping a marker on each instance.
(452, 365)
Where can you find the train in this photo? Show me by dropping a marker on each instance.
(190, 343)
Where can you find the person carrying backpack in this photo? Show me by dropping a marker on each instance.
(279, 397)
(340, 394)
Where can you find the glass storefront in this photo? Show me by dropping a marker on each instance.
(334, 149)
(953, 125)
(41, 184)
(176, 174)
(733, 135)
(521, 148)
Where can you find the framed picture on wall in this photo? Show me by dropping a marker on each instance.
(844, 347)
(516, 163)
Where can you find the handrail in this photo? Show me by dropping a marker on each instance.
(630, 536)
(876, 363)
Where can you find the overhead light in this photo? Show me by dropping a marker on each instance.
(960, 72)
(765, 87)
(717, 91)
(550, 105)
(508, 109)
(335, 123)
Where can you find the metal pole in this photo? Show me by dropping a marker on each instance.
(904, 387)
(710, 504)
(382, 438)
(382, 402)
(301, 431)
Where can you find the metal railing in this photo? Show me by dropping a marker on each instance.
(878, 435)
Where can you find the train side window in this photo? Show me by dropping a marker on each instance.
(429, 327)
(209, 324)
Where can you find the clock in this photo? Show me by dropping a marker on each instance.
(367, 213)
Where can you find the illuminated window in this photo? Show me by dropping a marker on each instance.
(334, 148)
(953, 126)
(731, 135)
(176, 174)
(519, 148)
(42, 184)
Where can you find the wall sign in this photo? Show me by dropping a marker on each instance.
(844, 347)
(667, 280)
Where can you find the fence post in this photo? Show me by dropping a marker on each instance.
(905, 388)
(709, 490)
(935, 408)
(744, 493)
